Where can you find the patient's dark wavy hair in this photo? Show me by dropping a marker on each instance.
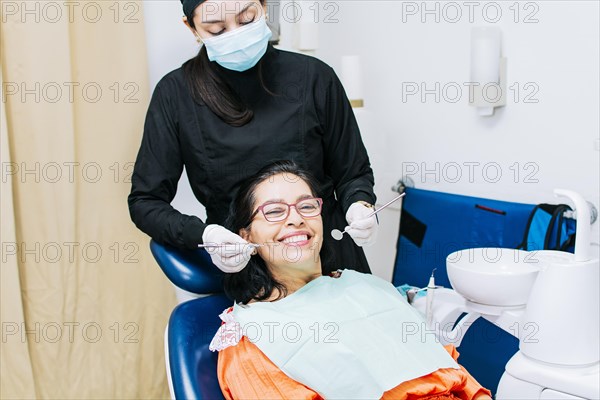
(255, 281)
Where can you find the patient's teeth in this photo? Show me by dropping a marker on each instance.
(294, 239)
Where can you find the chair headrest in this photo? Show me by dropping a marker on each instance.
(190, 270)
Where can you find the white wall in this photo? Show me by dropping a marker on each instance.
(536, 146)
(536, 143)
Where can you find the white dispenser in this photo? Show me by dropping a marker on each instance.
(564, 303)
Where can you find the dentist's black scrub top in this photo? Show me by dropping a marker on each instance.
(309, 121)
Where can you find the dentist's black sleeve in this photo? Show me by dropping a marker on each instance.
(157, 170)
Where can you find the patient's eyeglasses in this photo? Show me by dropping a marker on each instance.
(276, 212)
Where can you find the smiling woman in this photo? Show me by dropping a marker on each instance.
(278, 209)
(294, 333)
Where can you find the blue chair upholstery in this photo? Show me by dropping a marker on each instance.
(193, 366)
(193, 324)
(190, 270)
(435, 224)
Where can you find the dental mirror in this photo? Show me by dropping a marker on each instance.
(338, 235)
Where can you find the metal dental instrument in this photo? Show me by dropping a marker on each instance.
(337, 234)
(213, 245)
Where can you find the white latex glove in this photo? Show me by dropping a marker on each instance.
(363, 230)
(231, 258)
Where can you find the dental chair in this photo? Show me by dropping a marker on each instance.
(191, 366)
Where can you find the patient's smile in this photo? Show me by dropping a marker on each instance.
(296, 239)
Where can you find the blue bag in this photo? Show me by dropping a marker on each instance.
(549, 229)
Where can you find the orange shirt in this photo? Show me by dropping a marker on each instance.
(246, 373)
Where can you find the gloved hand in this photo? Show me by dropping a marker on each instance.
(231, 258)
(362, 230)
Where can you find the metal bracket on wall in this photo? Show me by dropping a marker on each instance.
(593, 212)
(402, 184)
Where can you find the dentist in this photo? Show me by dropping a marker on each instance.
(234, 108)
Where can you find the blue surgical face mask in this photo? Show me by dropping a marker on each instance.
(240, 49)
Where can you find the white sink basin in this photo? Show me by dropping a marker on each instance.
(493, 276)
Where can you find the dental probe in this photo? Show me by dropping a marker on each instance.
(213, 245)
(337, 234)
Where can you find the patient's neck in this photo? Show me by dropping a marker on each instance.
(294, 277)
(293, 284)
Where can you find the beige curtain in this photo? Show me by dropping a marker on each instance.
(84, 305)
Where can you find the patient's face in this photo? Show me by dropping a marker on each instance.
(293, 244)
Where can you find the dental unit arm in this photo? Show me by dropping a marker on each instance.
(583, 250)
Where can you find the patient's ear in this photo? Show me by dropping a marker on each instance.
(245, 234)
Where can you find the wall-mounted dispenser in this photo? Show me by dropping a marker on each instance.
(352, 80)
(488, 70)
(305, 26)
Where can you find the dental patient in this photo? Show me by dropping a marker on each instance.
(296, 334)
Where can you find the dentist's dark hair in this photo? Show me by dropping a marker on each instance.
(208, 87)
(255, 281)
